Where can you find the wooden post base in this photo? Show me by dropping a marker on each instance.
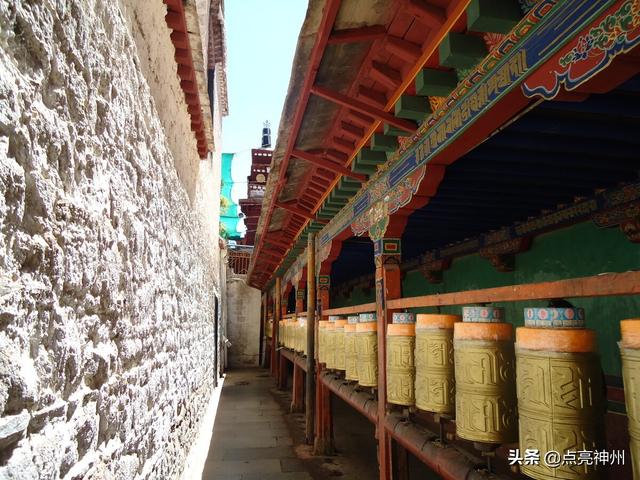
(323, 443)
(297, 402)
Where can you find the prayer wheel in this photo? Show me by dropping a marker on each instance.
(350, 352)
(367, 353)
(321, 340)
(401, 372)
(435, 374)
(338, 345)
(289, 328)
(329, 345)
(302, 335)
(560, 398)
(281, 333)
(630, 351)
(485, 377)
(285, 333)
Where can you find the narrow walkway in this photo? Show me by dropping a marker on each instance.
(251, 440)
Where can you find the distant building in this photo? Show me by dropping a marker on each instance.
(256, 184)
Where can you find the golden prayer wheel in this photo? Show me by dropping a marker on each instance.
(281, 332)
(560, 400)
(301, 334)
(321, 340)
(350, 352)
(401, 372)
(367, 353)
(435, 373)
(329, 345)
(485, 382)
(338, 345)
(630, 351)
(288, 325)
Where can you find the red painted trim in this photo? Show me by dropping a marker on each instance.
(176, 21)
(324, 30)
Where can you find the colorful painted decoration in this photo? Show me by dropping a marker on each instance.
(367, 317)
(353, 319)
(483, 314)
(403, 317)
(618, 31)
(554, 317)
(334, 318)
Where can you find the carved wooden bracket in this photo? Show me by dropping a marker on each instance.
(503, 255)
(432, 269)
(626, 217)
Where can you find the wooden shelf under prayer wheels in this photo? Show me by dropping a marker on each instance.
(435, 376)
(560, 398)
(485, 382)
(630, 352)
(401, 372)
(367, 353)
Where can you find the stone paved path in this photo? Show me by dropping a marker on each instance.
(250, 437)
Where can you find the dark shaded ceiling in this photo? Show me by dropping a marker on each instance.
(554, 153)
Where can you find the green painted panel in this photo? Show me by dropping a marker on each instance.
(396, 132)
(497, 16)
(458, 50)
(435, 83)
(412, 107)
(383, 143)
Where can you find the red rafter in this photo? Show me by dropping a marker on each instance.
(410, 52)
(291, 207)
(361, 34)
(326, 164)
(362, 107)
(176, 21)
(329, 14)
(432, 17)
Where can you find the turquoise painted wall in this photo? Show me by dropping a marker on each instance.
(577, 251)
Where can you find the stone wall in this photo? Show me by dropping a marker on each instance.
(107, 269)
(243, 322)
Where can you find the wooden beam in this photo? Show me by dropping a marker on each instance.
(365, 307)
(362, 107)
(361, 34)
(310, 386)
(352, 130)
(277, 242)
(374, 96)
(384, 74)
(337, 155)
(431, 16)
(403, 49)
(290, 207)
(360, 119)
(342, 143)
(326, 164)
(604, 285)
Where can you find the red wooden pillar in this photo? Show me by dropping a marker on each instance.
(277, 311)
(324, 419)
(300, 294)
(297, 401)
(273, 345)
(388, 286)
(310, 383)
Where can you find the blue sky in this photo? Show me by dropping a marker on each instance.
(261, 41)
